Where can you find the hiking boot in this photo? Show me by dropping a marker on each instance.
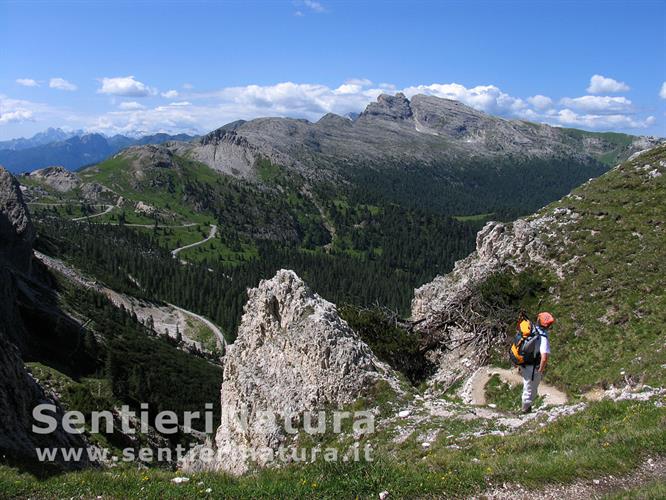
(526, 408)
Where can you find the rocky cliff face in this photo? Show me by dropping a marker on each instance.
(499, 246)
(602, 242)
(19, 393)
(293, 354)
(16, 230)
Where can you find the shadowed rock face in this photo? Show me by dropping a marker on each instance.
(19, 392)
(17, 233)
(293, 354)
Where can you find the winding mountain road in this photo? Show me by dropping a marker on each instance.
(108, 209)
(118, 299)
(211, 235)
(221, 341)
(161, 226)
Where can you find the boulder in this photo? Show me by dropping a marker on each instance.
(58, 178)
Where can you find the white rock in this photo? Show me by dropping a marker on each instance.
(426, 446)
(180, 480)
(404, 413)
(383, 495)
(293, 354)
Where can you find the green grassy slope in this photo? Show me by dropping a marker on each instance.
(611, 310)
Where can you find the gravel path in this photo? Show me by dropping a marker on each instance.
(474, 391)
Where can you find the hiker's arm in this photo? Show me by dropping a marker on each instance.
(544, 362)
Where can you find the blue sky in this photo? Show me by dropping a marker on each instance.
(146, 66)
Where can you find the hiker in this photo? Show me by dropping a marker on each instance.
(530, 351)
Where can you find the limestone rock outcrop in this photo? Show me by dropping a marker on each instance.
(293, 354)
(498, 246)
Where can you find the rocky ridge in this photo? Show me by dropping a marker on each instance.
(392, 131)
(435, 306)
(293, 354)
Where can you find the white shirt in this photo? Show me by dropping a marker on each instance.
(544, 341)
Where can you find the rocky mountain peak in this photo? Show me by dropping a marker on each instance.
(395, 107)
(58, 178)
(17, 233)
(293, 354)
(158, 156)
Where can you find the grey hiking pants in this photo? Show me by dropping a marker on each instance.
(531, 379)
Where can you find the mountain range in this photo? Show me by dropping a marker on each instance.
(72, 150)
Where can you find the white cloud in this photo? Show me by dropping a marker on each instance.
(598, 104)
(314, 5)
(205, 111)
(602, 85)
(14, 110)
(126, 86)
(363, 82)
(20, 115)
(27, 82)
(130, 105)
(486, 98)
(540, 102)
(188, 86)
(168, 119)
(170, 94)
(602, 122)
(62, 84)
(662, 93)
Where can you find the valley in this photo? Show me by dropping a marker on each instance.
(167, 271)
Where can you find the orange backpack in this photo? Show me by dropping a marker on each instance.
(523, 348)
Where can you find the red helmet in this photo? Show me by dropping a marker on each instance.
(545, 319)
